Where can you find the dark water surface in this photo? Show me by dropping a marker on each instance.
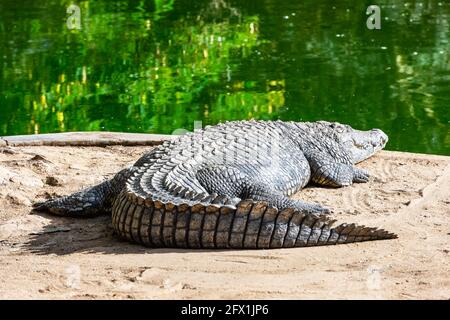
(155, 66)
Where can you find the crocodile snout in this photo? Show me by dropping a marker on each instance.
(380, 138)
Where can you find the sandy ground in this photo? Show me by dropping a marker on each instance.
(48, 257)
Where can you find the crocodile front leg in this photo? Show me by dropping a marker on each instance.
(326, 171)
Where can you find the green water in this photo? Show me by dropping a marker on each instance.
(155, 66)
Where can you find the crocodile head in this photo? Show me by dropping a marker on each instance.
(360, 144)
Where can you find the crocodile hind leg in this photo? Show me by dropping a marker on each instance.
(232, 182)
(88, 202)
(261, 192)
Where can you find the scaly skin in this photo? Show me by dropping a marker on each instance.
(228, 186)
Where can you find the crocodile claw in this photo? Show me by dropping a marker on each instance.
(361, 176)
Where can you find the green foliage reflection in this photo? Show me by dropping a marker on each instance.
(158, 65)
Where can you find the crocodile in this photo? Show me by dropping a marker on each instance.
(229, 186)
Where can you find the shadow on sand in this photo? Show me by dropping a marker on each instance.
(65, 235)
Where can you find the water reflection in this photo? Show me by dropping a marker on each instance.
(154, 66)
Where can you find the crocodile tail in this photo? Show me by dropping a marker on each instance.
(267, 227)
(318, 232)
(248, 225)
